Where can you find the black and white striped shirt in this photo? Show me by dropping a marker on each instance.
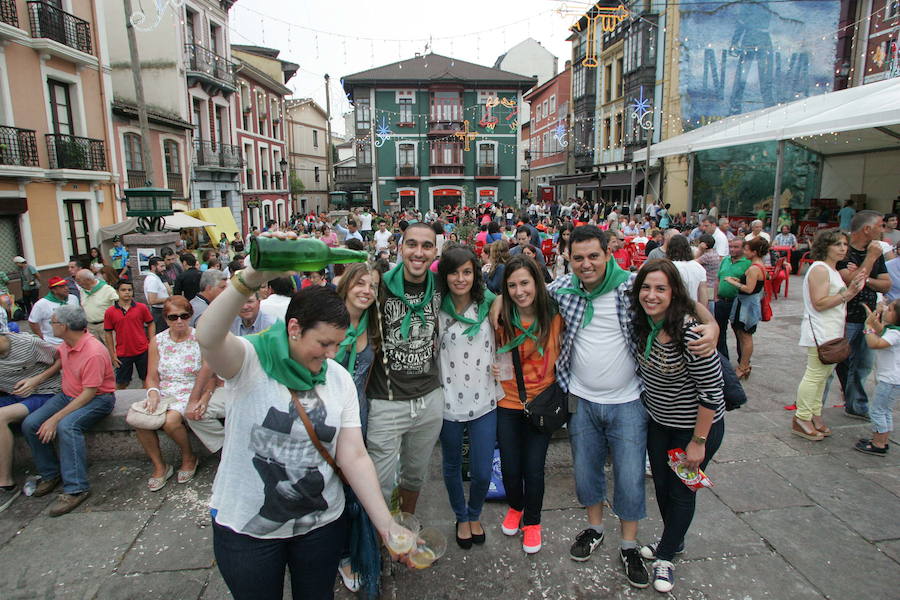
(28, 356)
(677, 382)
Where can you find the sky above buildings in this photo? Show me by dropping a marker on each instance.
(340, 38)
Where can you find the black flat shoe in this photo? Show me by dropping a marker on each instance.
(478, 538)
(464, 543)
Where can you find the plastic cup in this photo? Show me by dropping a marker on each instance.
(505, 364)
(430, 546)
(402, 533)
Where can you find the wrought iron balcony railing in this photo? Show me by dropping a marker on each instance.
(224, 156)
(8, 12)
(47, 21)
(18, 147)
(207, 62)
(73, 152)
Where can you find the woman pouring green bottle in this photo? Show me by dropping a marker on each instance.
(277, 498)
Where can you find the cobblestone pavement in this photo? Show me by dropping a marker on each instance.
(787, 519)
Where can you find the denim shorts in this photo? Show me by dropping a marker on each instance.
(32, 402)
(620, 429)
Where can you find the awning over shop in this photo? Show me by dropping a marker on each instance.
(221, 216)
(182, 220)
(578, 178)
(619, 179)
(865, 118)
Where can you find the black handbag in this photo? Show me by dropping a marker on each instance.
(735, 397)
(549, 410)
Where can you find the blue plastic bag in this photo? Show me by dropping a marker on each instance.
(496, 491)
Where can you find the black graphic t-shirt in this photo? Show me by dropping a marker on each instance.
(855, 311)
(411, 362)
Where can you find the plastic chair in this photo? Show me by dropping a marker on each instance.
(547, 250)
(805, 259)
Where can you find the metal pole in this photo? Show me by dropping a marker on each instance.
(633, 178)
(328, 166)
(690, 183)
(776, 196)
(647, 166)
(143, 122)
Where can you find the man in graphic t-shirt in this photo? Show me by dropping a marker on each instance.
(406, 411)
(864, 253)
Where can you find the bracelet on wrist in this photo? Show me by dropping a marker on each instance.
(153, 389)
(237, 281)
(698, 439)
(868, 331)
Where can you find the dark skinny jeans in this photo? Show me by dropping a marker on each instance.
(523, 450)
(676, 501)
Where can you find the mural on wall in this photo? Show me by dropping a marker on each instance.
(737, 57)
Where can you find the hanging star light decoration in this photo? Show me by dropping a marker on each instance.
(560, 134)
(138, 18)
(383, 133)
(640, 108)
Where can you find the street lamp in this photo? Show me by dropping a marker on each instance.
(149, 205)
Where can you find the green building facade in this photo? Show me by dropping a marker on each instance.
(433, 132)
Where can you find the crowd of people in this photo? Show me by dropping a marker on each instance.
(336, 385)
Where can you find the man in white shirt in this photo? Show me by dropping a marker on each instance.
(350, 231)
(280, 292)
(711, 227)
(713, 211)
(42, 311)
(156, 291)
(365, 224)
(382, 236)
(756, 229)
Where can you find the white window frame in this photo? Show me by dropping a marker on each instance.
(415, 146)
(493, 146)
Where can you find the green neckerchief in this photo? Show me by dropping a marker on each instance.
(655, 328)
(526, 334)
(99, 285)
(474, 324)
(349, 344)
(886, 327)
(394, 282)
(615, 276)
(274, 355)
(53, 298)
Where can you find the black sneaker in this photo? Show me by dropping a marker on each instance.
(856, 415)
(585, 543)
(648, 551)
(7, 496)
(634, 567)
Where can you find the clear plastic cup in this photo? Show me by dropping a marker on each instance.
(402, 533)
(505, 363)
(430, 546)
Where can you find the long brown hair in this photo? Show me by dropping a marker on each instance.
(543, 305)
(352, 274)
(680, 306)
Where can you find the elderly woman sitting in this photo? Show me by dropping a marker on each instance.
(173, 364)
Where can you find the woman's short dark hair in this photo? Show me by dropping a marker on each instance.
(283, 286)
(354, 244)
(759, 245)
(315, 305)
(453, 259)
(707, 239)
(584, 233)
(493, 227)
(680, 306)
(818, 250)
(544, 307)
(679, 248)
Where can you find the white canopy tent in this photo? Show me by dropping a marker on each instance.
(861, 119)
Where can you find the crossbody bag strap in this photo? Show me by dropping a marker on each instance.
(311, 431)
(520, 379)
(813, 329)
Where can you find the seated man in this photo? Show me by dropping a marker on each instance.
(29, 376)
(87, 396)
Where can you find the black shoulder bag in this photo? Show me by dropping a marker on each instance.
(549, 410)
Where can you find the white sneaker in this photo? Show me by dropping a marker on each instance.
(663, 576)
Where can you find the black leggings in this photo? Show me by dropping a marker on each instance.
(676, 501)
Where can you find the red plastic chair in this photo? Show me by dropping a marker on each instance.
(805, 259)
(638, 259)
(547, 250)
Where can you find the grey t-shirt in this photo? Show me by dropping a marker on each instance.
(410, 361)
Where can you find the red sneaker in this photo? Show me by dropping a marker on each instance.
(531, 541)
(511, 521)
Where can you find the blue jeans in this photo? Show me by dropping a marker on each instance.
(253, 568)
(523, 451)
(72, 463)
(853, 372)
(881, 409)
(595, 429)
(482, 439)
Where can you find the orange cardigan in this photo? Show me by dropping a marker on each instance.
(539, 371)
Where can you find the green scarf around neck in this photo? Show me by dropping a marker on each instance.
(449, 307)
(394, 282)
(655, 328)
(99, 285)
(886, 327)
(529, 333)
(56, 300)
(274, 354)
(349, 343)
(615, 276)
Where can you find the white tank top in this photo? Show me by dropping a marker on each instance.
(829, 324)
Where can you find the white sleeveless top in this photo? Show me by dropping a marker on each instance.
(829, 324)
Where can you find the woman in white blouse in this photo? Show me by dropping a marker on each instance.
(466, 353)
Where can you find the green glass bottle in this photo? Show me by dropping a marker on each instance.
(303, 254)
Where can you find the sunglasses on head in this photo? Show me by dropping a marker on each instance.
(182, 316)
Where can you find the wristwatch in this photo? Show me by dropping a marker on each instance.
(698, 439)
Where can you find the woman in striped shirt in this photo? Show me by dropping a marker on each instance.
(683, 396)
